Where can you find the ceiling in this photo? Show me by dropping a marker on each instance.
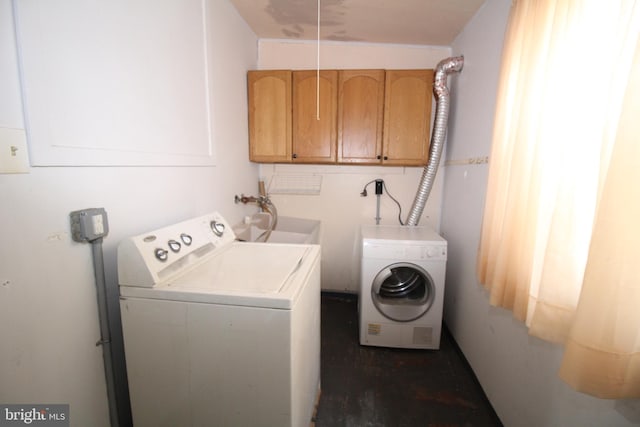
(416, 22)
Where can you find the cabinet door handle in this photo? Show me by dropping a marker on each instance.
(385, 158)
(295, 156)
(378, 157)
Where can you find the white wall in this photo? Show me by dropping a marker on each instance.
(517, 372)
(339, 205)
(48, 313)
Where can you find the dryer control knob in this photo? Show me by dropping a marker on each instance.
(431, 252)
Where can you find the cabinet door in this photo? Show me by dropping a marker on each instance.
(314, 129)
(112, 83)
(269, 96)
(360, 113)
(407, 117)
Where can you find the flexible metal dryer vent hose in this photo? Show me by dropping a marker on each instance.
(441, 92)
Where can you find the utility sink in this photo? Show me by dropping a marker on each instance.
(288, 229)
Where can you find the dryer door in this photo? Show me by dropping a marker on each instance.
(403, 291)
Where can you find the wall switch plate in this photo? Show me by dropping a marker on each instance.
(14, 157)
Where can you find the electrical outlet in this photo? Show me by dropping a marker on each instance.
(88, 225)
(379, 185)
(14, 157)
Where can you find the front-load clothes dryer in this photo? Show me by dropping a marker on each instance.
(402, 286)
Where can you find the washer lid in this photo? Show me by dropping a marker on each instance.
(247, 274)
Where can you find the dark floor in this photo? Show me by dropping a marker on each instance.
(374, 386)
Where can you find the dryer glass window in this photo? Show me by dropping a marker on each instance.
(403, 291)
(403, 282)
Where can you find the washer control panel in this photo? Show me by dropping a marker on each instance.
(151, 258)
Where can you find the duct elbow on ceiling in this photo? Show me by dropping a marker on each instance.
(441, 92)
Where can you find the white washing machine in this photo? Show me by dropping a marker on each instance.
(402, 286)
(219, 332)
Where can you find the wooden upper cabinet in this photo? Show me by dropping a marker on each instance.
(407, 116)
(367, 117)
(314, 132)
(360, 114)
(269, 96)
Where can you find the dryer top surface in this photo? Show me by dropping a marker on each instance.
(401, 233)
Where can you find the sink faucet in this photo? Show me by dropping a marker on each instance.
(252, 199)
(265, 204)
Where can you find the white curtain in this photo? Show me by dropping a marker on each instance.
(561, 234)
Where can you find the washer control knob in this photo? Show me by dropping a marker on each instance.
(217, 228)
(186, 239)
(161, 254)
(174, 245)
